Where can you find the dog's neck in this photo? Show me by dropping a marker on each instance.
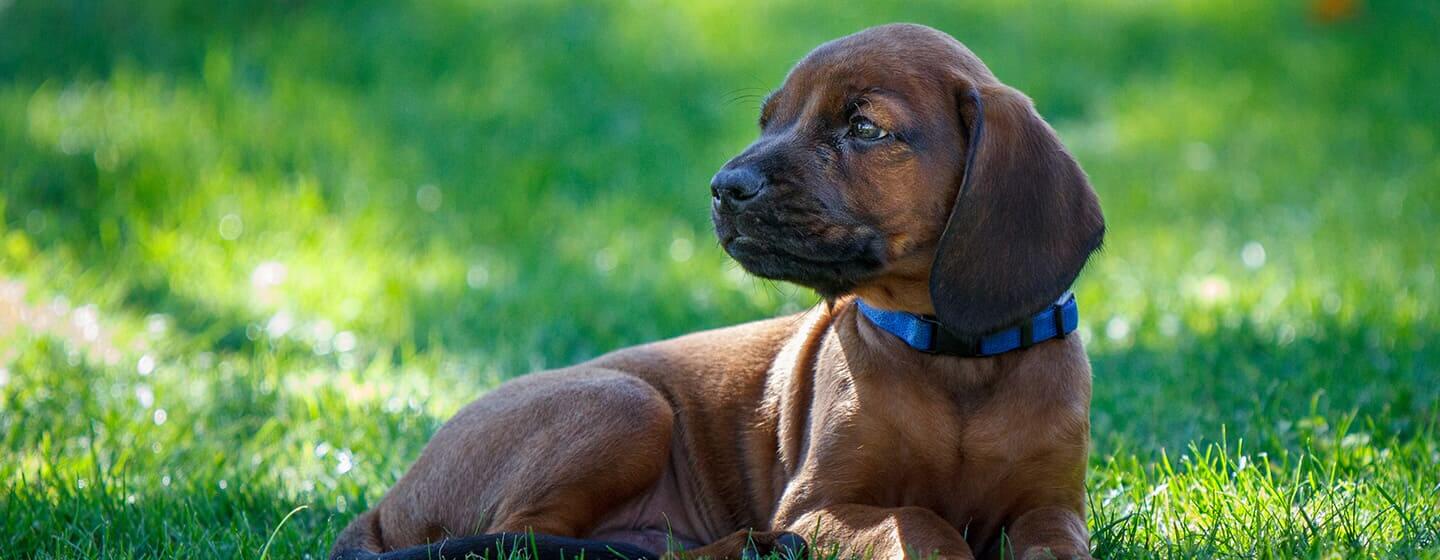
(911, 295)
(875, 350)
(928, 335)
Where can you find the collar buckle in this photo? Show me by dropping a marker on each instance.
(942, 341)
(1057, 316)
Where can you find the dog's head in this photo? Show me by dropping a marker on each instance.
(892, 164)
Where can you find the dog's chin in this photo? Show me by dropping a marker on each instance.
(830, 277)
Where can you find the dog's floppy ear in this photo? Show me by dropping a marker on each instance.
(1024, 220)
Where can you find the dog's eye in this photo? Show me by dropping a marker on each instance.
(866, 129)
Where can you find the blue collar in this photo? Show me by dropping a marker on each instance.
(926, 334)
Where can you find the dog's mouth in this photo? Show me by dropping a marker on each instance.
(833, 270)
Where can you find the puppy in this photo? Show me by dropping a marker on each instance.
(932, 405)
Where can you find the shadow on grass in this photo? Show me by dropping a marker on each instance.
(1266, 384)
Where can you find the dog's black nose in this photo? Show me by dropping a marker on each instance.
(732, 189)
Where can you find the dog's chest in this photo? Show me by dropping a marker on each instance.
(906, 444)
(861, 425)
(884, 435)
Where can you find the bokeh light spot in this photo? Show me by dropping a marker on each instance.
(1253, 255)
(231, 226)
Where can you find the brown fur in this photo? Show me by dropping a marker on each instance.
(820, 423)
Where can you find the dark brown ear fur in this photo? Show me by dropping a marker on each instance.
(1025, 218)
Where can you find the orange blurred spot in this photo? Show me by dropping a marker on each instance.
(1331, 11)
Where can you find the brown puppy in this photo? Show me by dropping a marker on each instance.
(891, 166)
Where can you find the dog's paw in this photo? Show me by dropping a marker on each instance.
(782, 545)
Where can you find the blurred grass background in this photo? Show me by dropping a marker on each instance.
(253, 253)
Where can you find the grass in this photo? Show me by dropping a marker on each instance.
(252, 254)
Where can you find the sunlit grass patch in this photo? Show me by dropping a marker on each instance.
(1342, 493)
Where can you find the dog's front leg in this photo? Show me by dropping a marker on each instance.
(1049, 532)
(876, 532)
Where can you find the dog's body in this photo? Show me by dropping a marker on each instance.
(820, 424)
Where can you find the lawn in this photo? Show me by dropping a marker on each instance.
(252, 254)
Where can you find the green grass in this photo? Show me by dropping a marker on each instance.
(253, 253)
